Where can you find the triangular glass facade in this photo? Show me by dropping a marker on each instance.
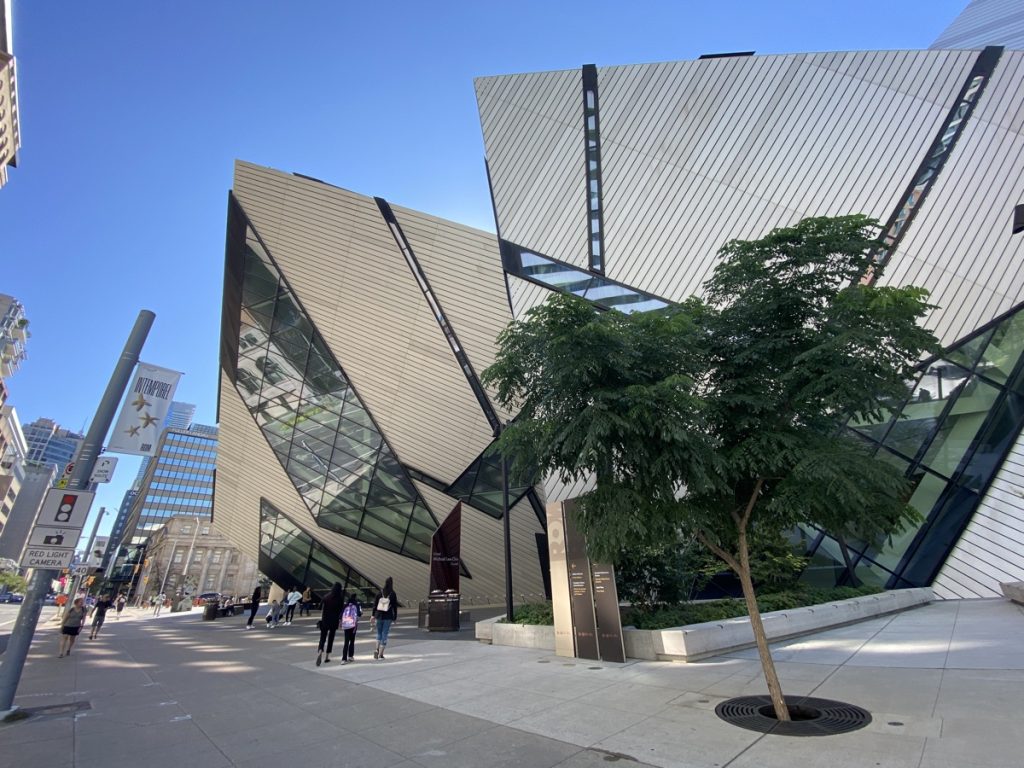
(318, 428)
(962, 415)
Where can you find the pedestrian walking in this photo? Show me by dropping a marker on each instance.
(159, 603)
(99, 615)
(349, 623)
(121, 601)
(256, 595)
(292, 600)
(307, 602)
(385, 613)
(74, 618)
(330, 616)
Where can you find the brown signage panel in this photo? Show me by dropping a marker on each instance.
(445, 552)
(581, 592)
(609, 621)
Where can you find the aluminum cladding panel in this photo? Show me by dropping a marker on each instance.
(961, 246)
(533, 138)
(341, 259)
(697, 153)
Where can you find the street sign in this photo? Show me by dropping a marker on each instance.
(63, 538)
(69, 469)
(103, 471)
(65, 509)
(46, 557)
(54, 536)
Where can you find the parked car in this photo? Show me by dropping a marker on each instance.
(209, 597)
(50, 599)
(11, 597)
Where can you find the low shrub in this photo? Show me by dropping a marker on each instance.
(533, 613)
(667, 616)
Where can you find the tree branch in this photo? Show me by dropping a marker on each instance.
(742, 523)
(729, 560)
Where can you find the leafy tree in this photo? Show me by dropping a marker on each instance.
(722, 418)
(13, 582)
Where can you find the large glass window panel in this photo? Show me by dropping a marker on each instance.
(944, 528)
(1004, 348)
(344, 521)
(871, 574)
(994, 442)
(960, 426)
(325, 411)
(967, 354)
(928, 488)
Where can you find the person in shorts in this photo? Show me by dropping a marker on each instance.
(74, 618)
(99, 615)
(121, 600)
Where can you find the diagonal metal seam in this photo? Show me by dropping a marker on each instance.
(442, 320)
(236, 207)
(934, 160)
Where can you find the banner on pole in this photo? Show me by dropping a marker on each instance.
(138, 426)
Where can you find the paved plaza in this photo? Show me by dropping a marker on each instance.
(944, 684)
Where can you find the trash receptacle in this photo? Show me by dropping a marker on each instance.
(210, 611)
(443, 612)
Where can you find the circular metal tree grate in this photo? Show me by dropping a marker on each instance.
(811, 717)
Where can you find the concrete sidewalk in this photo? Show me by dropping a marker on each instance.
(943, 684)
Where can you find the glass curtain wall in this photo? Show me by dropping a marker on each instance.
(298, 556)
(963, 413)
(325, 439)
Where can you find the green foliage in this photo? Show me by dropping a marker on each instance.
(667, 616)
(723, 413)
(533, 613)
(13, 582)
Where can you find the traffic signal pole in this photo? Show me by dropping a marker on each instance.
(28, 616)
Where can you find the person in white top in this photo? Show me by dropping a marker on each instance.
(292, 600)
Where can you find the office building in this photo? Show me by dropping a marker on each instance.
(13, 334)
(179, 481)
(10, 129)
(50, 443)
(13, 450)
(37, 480)
(353, 330)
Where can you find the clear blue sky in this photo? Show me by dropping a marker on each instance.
(132, 114)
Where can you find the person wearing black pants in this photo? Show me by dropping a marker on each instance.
(350, 622)
(256, 595)
(330, 615)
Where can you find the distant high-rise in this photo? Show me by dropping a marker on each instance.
(13, 327)
(10, 134)
(179, 481)
(49, 443)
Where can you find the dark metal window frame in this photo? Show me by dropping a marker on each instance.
(592, 166)
(935, 158)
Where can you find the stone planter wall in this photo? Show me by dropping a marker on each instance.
(699, 641)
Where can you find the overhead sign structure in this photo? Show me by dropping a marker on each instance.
(138, 426)
(53, 538)
(103, 470)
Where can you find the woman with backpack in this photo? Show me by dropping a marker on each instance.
(330, 616)
(385, 612)
(349, 623)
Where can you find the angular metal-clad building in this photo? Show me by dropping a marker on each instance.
(620, 184)
(352, 417)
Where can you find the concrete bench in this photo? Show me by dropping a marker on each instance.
(1013, 590)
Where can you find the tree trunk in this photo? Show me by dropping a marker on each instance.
(767, 664)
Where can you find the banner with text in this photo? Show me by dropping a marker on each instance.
(138, 426)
